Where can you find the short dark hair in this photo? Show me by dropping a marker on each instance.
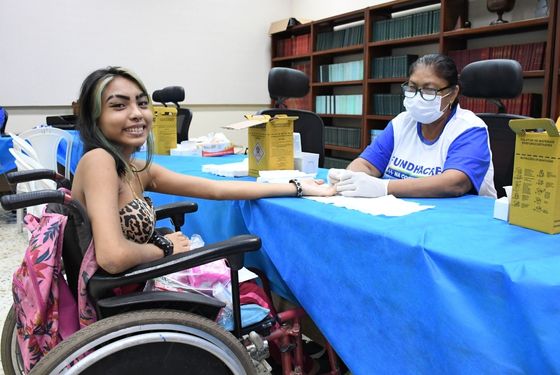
(443, 66)
(90, 111)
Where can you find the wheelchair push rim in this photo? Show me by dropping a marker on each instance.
(110, 340)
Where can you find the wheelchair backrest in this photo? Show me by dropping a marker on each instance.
(77, 237)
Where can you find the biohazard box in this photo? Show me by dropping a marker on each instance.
(164, 129)
(271, 142)
(535, 200)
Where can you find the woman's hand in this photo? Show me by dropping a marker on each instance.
(181, 243)
(317, 187)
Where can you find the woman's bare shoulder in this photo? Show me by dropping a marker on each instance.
(95, 158)
(96, 163)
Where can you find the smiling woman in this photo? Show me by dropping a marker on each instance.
(115, 119)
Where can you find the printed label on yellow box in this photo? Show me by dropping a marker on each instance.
(535, 201)
(164, 129)
(271, 142)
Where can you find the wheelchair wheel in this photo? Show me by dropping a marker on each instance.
(149, 342)
(12, 363)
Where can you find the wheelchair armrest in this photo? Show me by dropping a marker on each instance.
(176, 212)
(101, 284)
(33, 175)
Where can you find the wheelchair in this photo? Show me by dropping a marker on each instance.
(155, 331)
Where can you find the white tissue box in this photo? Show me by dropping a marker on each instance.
(501, 208)
(308, 162)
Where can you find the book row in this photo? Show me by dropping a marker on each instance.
(392, 66)
(408, 26)
(340, 38)
(388, 104)
(348, 71)
(525, 104)
(340, 163)
(338, 136)
(296, 45)
(530, 55)
(339, 104)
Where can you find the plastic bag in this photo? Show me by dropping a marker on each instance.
(212, 279)
(201, 279)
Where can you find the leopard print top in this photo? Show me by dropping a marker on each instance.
(138, 219)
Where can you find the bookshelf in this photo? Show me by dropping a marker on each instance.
(393, 35)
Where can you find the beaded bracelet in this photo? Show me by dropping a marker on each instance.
(163, 243)
(299, 189)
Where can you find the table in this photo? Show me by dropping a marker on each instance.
(444, 291)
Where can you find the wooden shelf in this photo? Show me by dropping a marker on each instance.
(500, 29)
(343, 148)
(380, 117)
(338, 83)
(422, 39)
(341, 51)
(443, 41)
(534, 74)
(290, 58)
(340, 116)
(387, 80)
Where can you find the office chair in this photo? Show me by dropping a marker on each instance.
(284, 83)
(494, 80)
(176, 94)
(3, 121)
(64, 122)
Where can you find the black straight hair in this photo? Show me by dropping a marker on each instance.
(90, 111)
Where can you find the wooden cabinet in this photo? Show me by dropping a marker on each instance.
(393, 35)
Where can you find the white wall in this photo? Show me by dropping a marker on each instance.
(218, 50)
(44, 35)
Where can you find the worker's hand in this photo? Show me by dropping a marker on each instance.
(360, 184)
(334, 175)
(317, 187)
(181, 243)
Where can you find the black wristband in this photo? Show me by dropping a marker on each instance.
(299, 189)
(163, 243)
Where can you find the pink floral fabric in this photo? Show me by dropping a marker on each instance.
(45, 309)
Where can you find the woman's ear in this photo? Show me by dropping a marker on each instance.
(454, 94)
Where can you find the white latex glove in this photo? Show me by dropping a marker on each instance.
(334, 175)
(360, 184)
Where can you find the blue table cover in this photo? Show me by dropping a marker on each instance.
(449, 290)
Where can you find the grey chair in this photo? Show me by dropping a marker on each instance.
(494, 80)
(284, 83)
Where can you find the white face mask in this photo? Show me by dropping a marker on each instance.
(423, 111)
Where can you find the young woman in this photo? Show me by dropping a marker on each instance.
(115, 119)
(434, 149)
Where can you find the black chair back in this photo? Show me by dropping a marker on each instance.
(176, 94)
(184, 117)
(284, 83)
(64, 122)
(494, 80)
